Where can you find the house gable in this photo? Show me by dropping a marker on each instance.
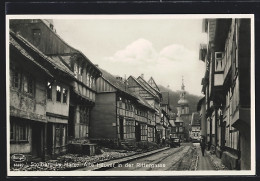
(153, 84)
(136, 87)
(149, 87)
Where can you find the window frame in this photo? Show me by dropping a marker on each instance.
(13, 72)
(66, 98)
(20, 132)
(28, 83)
(36, 36)
(57, 93)
(49, 90)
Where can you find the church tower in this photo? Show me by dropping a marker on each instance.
(183, 103)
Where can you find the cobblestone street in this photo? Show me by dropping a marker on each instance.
(180, 158)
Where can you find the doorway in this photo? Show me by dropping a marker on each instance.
(37, 147)
(121, 128)
(71, 134)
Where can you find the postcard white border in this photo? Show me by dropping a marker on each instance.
(137, 173)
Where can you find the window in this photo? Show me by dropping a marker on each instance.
(129, 129)
(22, 132)
(75, 69)
(94, 83)
(36, 36)
(143, 132)
(65, 95)
(90, 82)
(25, 84)
(84, 114)
(88, 79)
(28, 83)
(18, 131)
(15, 78)
(49, 91)
(150, 134)
(12, 128)
(120, 104)
(60, 133)
(80, 73)
(58, 93)
(180, 129)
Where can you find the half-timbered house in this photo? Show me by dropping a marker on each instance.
(68, 103)
(46, 94)
(116, 111)
(226, 86)
(146, 91)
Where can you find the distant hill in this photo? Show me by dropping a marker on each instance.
(175, 96)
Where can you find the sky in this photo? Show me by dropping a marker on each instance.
(164, 48)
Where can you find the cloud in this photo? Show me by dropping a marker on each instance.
(166, 66)
(138, 52)
(176, 52)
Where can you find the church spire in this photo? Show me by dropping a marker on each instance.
(182, 86)
(182, 95)
(182, 100)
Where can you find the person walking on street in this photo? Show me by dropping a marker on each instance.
(202, 145)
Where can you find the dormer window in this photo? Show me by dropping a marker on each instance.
(51, 26)
(36, 36)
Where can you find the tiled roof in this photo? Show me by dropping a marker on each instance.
(152, 83)
(148, 86)
(26, 54)
(143, 101)
(76, 51)
(143, 86)
(57, 64)
(120, 85)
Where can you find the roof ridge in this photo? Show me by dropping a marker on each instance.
(142, 85)
(27, 55)
(151, 78)
(149, 85)
(50, 60)
(76, 50)
(126, 90)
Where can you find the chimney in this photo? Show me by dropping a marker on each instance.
(119, 78)
(142, 75)
(96, 65)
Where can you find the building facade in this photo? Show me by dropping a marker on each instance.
(120, 114)
(70, 94)
(43, 93)
(201, 108)
(226, 85)
(42, 34)
(152, 96)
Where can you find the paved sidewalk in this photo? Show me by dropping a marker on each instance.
(113, 163)
(204, 162)
(216, 162)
